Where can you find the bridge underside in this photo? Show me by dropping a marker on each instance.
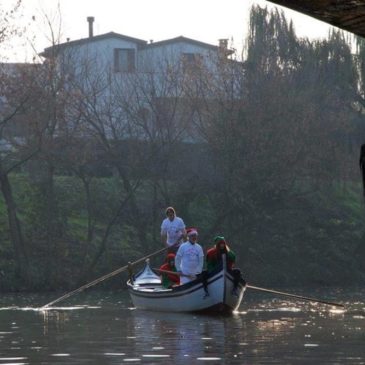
(345, 14)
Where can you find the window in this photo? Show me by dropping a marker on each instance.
(124, 60)
(191, 61)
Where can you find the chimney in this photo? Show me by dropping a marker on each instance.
(223, 44)
(90, 19)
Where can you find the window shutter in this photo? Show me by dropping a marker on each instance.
(116, 60)
(131, 60)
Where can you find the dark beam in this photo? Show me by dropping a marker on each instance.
(345, 14)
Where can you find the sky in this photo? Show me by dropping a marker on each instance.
(203, 20)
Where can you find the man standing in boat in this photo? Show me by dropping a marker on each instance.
(189, 258)
(172, 230)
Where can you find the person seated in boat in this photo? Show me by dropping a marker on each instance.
(214, 254)
(172, 230)
(189, 258)
(214, 259)
(168, 279)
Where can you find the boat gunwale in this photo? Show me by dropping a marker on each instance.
(174, 291)
(152, 296)
(180, 290)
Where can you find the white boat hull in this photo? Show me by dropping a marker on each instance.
(220, 296)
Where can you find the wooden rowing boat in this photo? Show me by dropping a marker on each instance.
(213, 292)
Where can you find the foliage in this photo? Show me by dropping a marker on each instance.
(260, 151)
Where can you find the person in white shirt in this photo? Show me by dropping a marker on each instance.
(172, 230)
(189, 258)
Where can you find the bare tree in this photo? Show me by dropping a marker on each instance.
(20, 135)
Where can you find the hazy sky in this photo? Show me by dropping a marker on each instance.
(204, 20)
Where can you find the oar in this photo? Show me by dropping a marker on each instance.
(107, 276)
(294, 296)
(177, 273)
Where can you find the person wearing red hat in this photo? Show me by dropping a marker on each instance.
(190, 257)
(169, 280)
(172, 230)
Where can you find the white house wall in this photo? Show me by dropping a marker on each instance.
(153, 58)
(97, 55)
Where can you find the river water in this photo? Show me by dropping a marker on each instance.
(104, 328)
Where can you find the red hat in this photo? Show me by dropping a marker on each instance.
(170, 256)
(191, 231)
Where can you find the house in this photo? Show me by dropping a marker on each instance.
(119, 53)
(126, 79)
(120, 92)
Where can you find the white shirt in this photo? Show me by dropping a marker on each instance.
(189, 259)
(173, 229)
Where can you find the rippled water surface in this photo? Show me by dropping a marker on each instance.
(103, 328)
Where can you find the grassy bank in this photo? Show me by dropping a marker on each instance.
(311, 239)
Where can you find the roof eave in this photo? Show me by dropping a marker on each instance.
(344, 14)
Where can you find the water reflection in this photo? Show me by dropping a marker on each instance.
(108, 331)
(181, 336)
